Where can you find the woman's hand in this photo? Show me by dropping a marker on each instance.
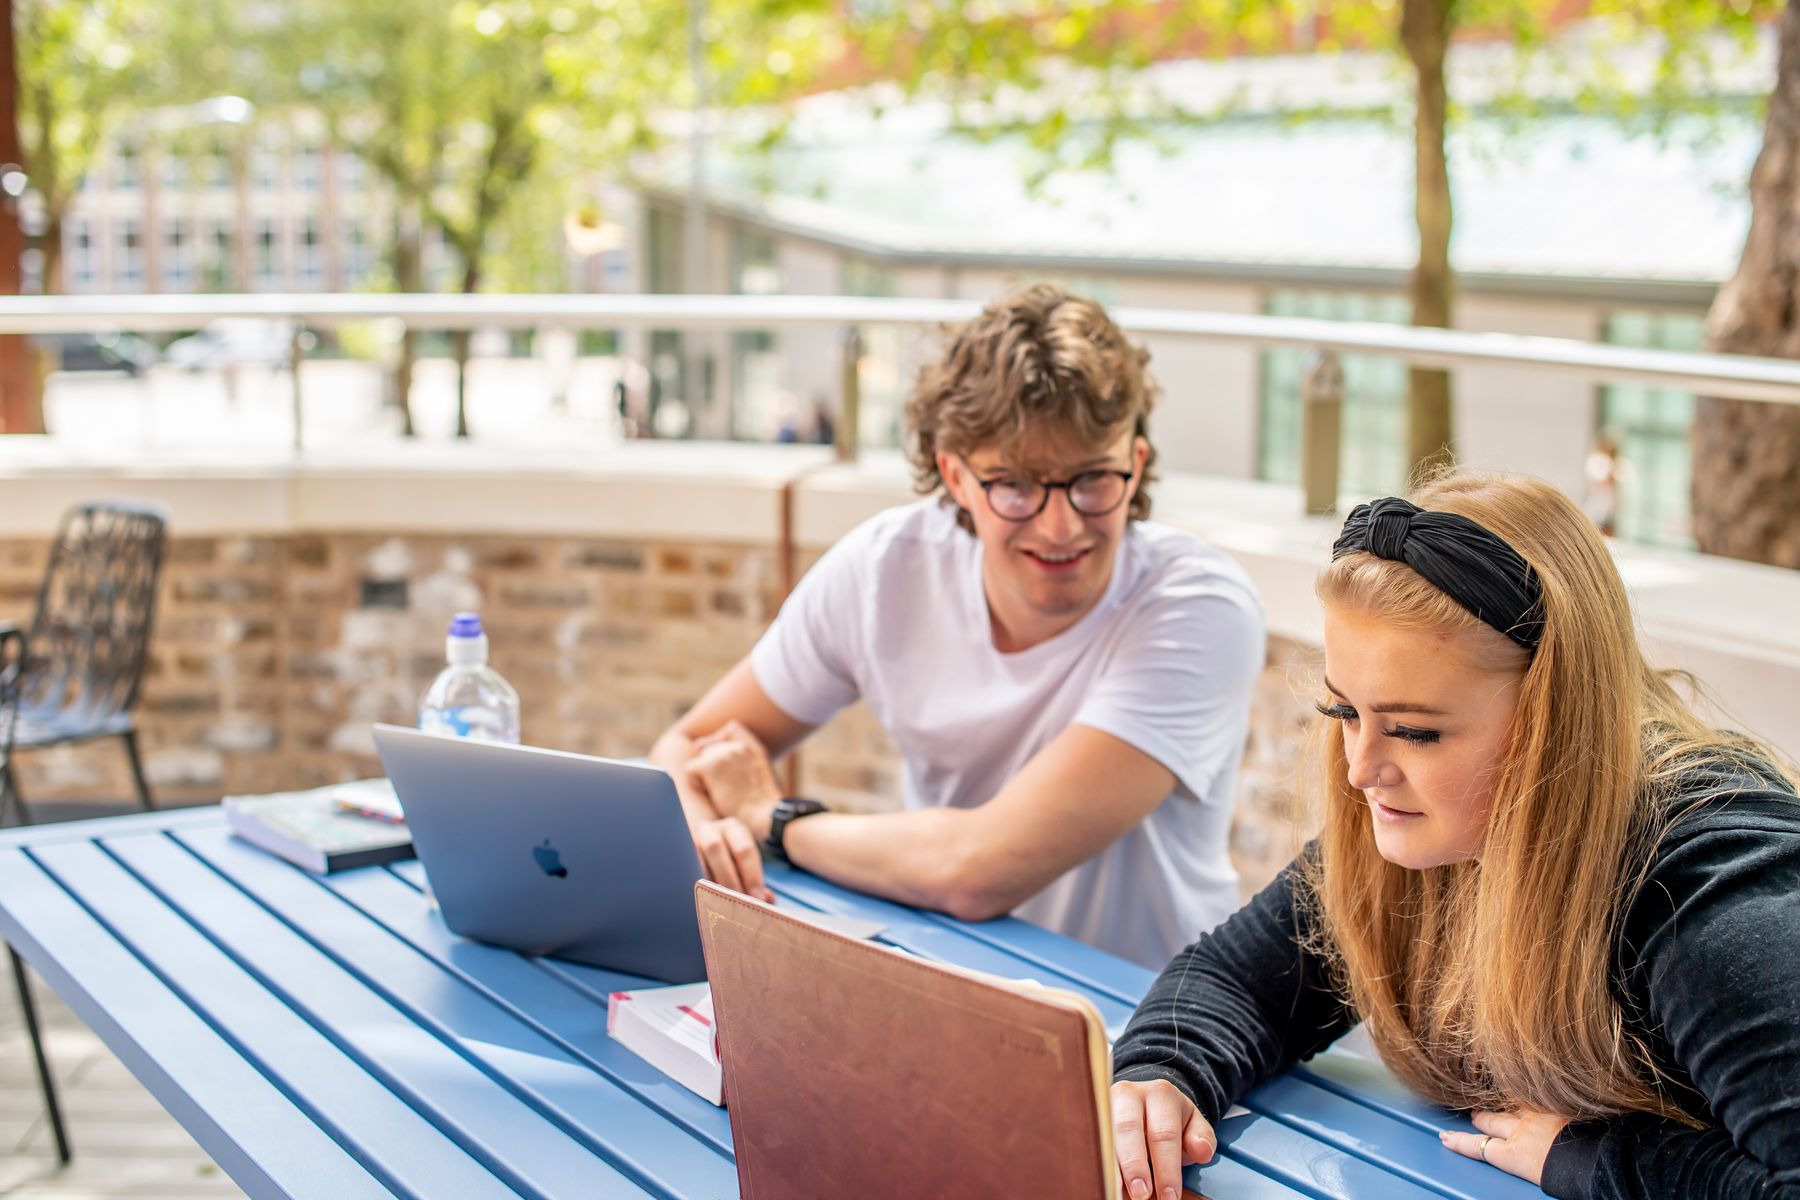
(1516, 1142)
(1156, 1130)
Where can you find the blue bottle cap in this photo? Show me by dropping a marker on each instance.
(465, 625)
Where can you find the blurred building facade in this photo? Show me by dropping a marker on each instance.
(1568, 226)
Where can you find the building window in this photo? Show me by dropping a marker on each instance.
(754, 270)
(663, 252)
(79, 258)
(1646, 430)
(125, 168)
(668, 354)
(1373, 445)
(216, 269)
(307, 167)
(761, 407)
(130, 272)
(312, 254)
(178, 254)
(435, 259)
(265, 168)
(1104, 292)
(215, 167)
(352, 172)
(174, 171)
(267, 267)
(359, 254)
(861, 277)
(668, 384)
(882, 377)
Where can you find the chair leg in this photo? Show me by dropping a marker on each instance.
(11, 797)
(52, 1106)
(137, 770)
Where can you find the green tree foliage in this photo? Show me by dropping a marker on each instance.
(81, 67)
(1069, 77)
(484, 119)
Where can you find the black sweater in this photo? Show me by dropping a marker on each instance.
(1707, 972)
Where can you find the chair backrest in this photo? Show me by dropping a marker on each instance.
(91, 632)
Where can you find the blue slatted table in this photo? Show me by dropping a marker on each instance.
(329, 1037)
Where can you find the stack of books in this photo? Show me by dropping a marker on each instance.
(325, 829)
(672, 1028)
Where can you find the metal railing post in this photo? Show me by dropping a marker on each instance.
(850, 395)
(1321, 430)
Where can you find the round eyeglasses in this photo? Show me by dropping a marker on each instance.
(1091, 493)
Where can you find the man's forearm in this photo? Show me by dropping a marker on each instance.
(923, 858)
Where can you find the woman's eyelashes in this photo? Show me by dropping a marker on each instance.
(1406, 733)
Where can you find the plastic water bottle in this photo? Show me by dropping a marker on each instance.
(468, 699)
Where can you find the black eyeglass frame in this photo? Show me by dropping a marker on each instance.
(1045, 487)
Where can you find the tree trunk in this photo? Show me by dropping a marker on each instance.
(21, 396)
(408, 275)
(1425, 35)
(238, 269)
(1747, 454)
(460, 340)
(54, 283)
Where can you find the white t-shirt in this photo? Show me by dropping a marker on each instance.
(895, 614)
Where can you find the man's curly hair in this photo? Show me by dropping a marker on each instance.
(1041, 359)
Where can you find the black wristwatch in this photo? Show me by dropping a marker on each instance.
(787, 811)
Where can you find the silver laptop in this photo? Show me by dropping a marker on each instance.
(552, 853)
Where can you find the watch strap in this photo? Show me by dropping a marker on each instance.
(787, 811)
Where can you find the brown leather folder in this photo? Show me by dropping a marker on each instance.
(852, 1069)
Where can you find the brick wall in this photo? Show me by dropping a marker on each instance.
(273, 654)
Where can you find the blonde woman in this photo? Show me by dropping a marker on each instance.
(1554, 895)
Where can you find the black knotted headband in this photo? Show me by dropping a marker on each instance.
(1461, 558)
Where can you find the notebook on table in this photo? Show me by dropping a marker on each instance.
(852, 1069)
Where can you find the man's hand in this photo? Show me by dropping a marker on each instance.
(733, 770)
(730, 855)
(1516, 1142)
(1156, 1129)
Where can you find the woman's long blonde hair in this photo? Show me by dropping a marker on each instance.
(1487, 984)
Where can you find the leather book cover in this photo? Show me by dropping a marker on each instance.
(852, 1069)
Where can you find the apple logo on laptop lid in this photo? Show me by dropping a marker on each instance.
(550, 860)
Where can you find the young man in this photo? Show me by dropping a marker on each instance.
(1068, 684)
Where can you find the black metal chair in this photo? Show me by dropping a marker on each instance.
(12, 663)
(89, 638)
